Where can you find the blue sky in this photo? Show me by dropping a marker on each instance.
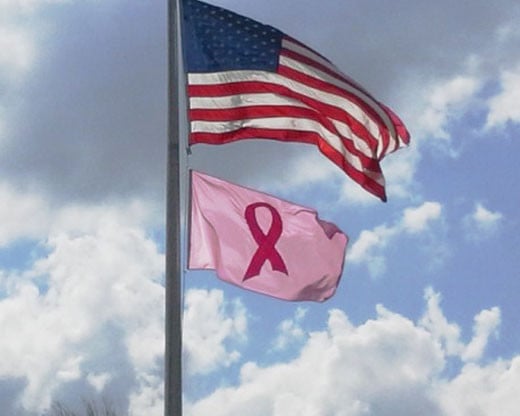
(425, 320)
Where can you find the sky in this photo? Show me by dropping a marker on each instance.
(425, 319)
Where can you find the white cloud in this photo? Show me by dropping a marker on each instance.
(486, 324)
(10, 8)
(503, 107)
(107, 275)
(427, 111)
(417, 219)
(290, 330)
(369, 248)
(398, 168)
(309, 167)
(19, 37)
(445, 333)
(482, 222)
(23, 215)
(210, 324)
(148, 398)
(449, 334)
(344, 370)
(102, 276)
(98, 381)
(100, 273)
(16, 52)
(441, 102)
(485, 218)
(71, 299)
(385, 366)
(29, 215)
(488, 389)
(483, 390)
(351, 192)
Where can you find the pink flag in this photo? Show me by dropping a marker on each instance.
(262, 243)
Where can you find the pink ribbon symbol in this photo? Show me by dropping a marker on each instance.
(266, 242)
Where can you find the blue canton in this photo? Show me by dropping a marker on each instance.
(216, 39)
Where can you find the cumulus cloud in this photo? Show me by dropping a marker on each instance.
(482, 222)
(444, 85)
(95, 304)
(290, 331)
(448, 334)
(16, 53)
(444, 332)
(503, 107)
(82, 116)
(98, 381)
(483, 390)
(24, 215)
(445, 100)
(369, 248)
(30, 215)
(24, 6)
(417, 219)
(211, 325)
(72, 301)
(89, 121)
(148, 398)
(120, 101)
(89, 312)
(342, 370)
(311, 168)
(486, 324)
(385, 366)
(18, 39)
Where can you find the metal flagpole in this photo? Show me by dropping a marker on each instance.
(173, 295)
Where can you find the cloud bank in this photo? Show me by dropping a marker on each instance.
(385, 366)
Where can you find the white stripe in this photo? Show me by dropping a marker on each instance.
(228, 77)
(346, 132)
(309, 53)
(268, 99)
(344, 103)
(243, 100)
(286, 123)
(322, 76)
(316, 94)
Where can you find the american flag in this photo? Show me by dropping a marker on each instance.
(248, 80)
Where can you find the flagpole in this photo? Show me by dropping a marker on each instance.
(173, 281)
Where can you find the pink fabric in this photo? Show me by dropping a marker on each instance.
(262, 243)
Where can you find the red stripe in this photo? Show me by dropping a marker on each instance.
(252, 87)
(294, 136)
(320, 67)
(333, 89)
(253, 112)
(302, 45)
(401, 130)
